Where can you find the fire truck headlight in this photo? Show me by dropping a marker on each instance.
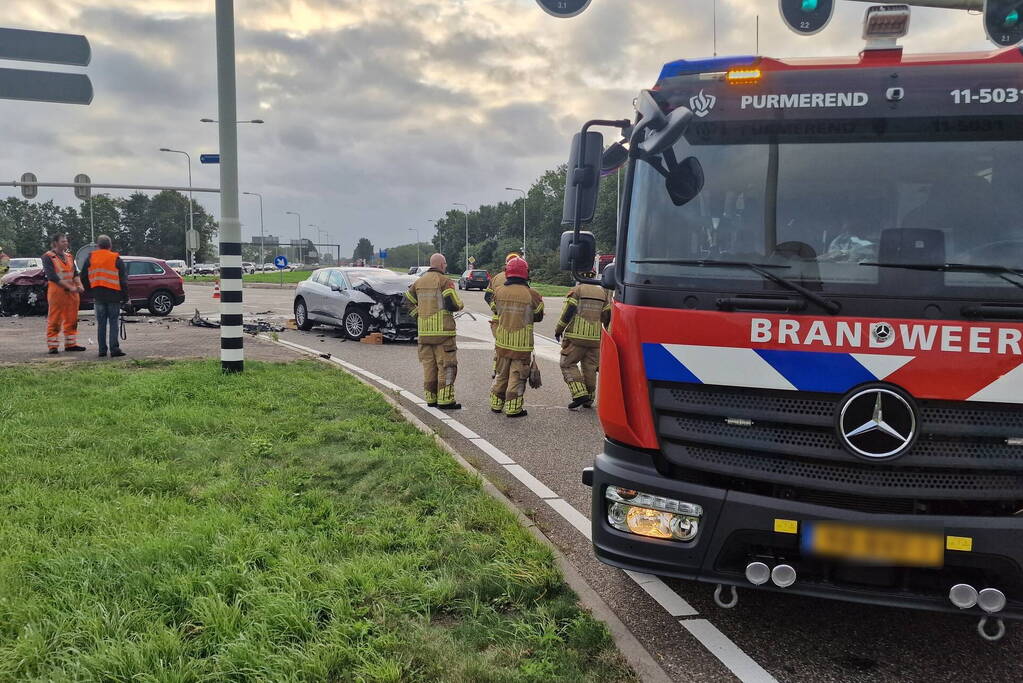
(653, 516)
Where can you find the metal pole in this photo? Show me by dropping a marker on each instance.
(191, 204)
(232, 352)
(419, 261)
(515, 189)
(92, 219)
(297, 215)
(466, 212)
(262, 239)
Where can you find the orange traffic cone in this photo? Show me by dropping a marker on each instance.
(216, 289)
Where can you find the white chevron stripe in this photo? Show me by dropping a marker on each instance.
(729, 366)
(1006, 389)
(881, 365)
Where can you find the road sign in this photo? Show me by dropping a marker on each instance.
(41, 46)
(45, 86)
(209, 158)
(192, 240)
(281, 261)
(29, 191)
(83, 189)
(383, 253)
(563, 8)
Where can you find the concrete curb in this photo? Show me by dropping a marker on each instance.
(641, 661)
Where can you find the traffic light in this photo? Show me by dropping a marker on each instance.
(806, 17)
(1002, 21)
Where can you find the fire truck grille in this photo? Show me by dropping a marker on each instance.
(781, 444)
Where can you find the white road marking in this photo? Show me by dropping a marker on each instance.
(737, 661)
(727, 652)
(573, 516)
(461, 429)
(493, 451)
(530, 482)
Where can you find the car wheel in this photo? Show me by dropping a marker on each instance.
(355, 324)
(302, 320)
(160, 302)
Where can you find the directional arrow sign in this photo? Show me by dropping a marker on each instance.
(45, 86)
(209, 158)
(40, 46)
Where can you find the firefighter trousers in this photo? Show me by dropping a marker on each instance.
(579, 367)
(62, 316)
(509, 386)
(440, 367)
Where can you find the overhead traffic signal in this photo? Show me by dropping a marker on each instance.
(1002, 21)
(806, 17)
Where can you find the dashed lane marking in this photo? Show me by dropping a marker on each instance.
(716, 642)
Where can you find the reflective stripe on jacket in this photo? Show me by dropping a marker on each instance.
(65, 270)
(103, 270)
(586, 308)
(432, 300)
(518, 306)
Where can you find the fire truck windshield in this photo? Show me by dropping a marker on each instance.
(829, 210)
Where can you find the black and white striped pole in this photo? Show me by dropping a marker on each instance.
(232, 353)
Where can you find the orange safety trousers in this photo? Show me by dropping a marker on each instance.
(62, 316)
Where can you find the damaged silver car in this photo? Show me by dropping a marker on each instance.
(357, 300)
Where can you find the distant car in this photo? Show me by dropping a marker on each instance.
(358, 300)
(179, 266)
(418, 270)
(474, 279)
(206, 269)
(248, 267)
(269, 267)
(18, 265)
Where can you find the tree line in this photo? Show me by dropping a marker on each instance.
(496, 229)
(140, 225)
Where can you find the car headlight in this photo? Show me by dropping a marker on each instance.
(653, 516)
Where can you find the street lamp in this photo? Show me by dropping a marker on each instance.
(466, 212)
(313, 225)
(416, 230)
(215, 121)
(299, 217)
(262, 240)
(191, 207)
(515, 189)
(440, 236)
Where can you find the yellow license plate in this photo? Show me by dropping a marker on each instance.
(892, 547)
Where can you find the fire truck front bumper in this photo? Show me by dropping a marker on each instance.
(645, 521)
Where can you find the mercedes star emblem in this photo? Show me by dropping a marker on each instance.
(877, 423)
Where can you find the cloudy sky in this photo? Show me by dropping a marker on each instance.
(379, 114)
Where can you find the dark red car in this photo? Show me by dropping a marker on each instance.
(152, 284)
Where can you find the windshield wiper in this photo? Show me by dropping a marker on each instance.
(759, 268)
(997, 271)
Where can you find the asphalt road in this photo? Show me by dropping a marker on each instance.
(789, 638)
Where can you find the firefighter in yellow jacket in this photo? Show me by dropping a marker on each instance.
(517, 307)
(587, 308)
(497, 281)
(433, 300)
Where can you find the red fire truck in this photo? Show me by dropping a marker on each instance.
(813, 377)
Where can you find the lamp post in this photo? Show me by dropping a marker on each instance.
(191, 208)
(515, 189)
(262, 258)
(440, 237)
(418, 260)
(466, 212)
(297, 215)
(313, 225)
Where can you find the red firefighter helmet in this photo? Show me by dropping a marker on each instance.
(517, 267)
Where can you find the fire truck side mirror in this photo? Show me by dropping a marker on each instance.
(577, 253)
(658, 140)
(609, 277)
(1003, 22)
(582, 181)
(684, 181)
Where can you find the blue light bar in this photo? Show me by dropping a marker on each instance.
(683, 67)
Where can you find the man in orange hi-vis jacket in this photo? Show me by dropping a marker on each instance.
(62, 294)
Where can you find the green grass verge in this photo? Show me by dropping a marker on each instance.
(289, 276)
(550, 290)
(167, 522)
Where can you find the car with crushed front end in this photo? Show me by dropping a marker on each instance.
(357, 300)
